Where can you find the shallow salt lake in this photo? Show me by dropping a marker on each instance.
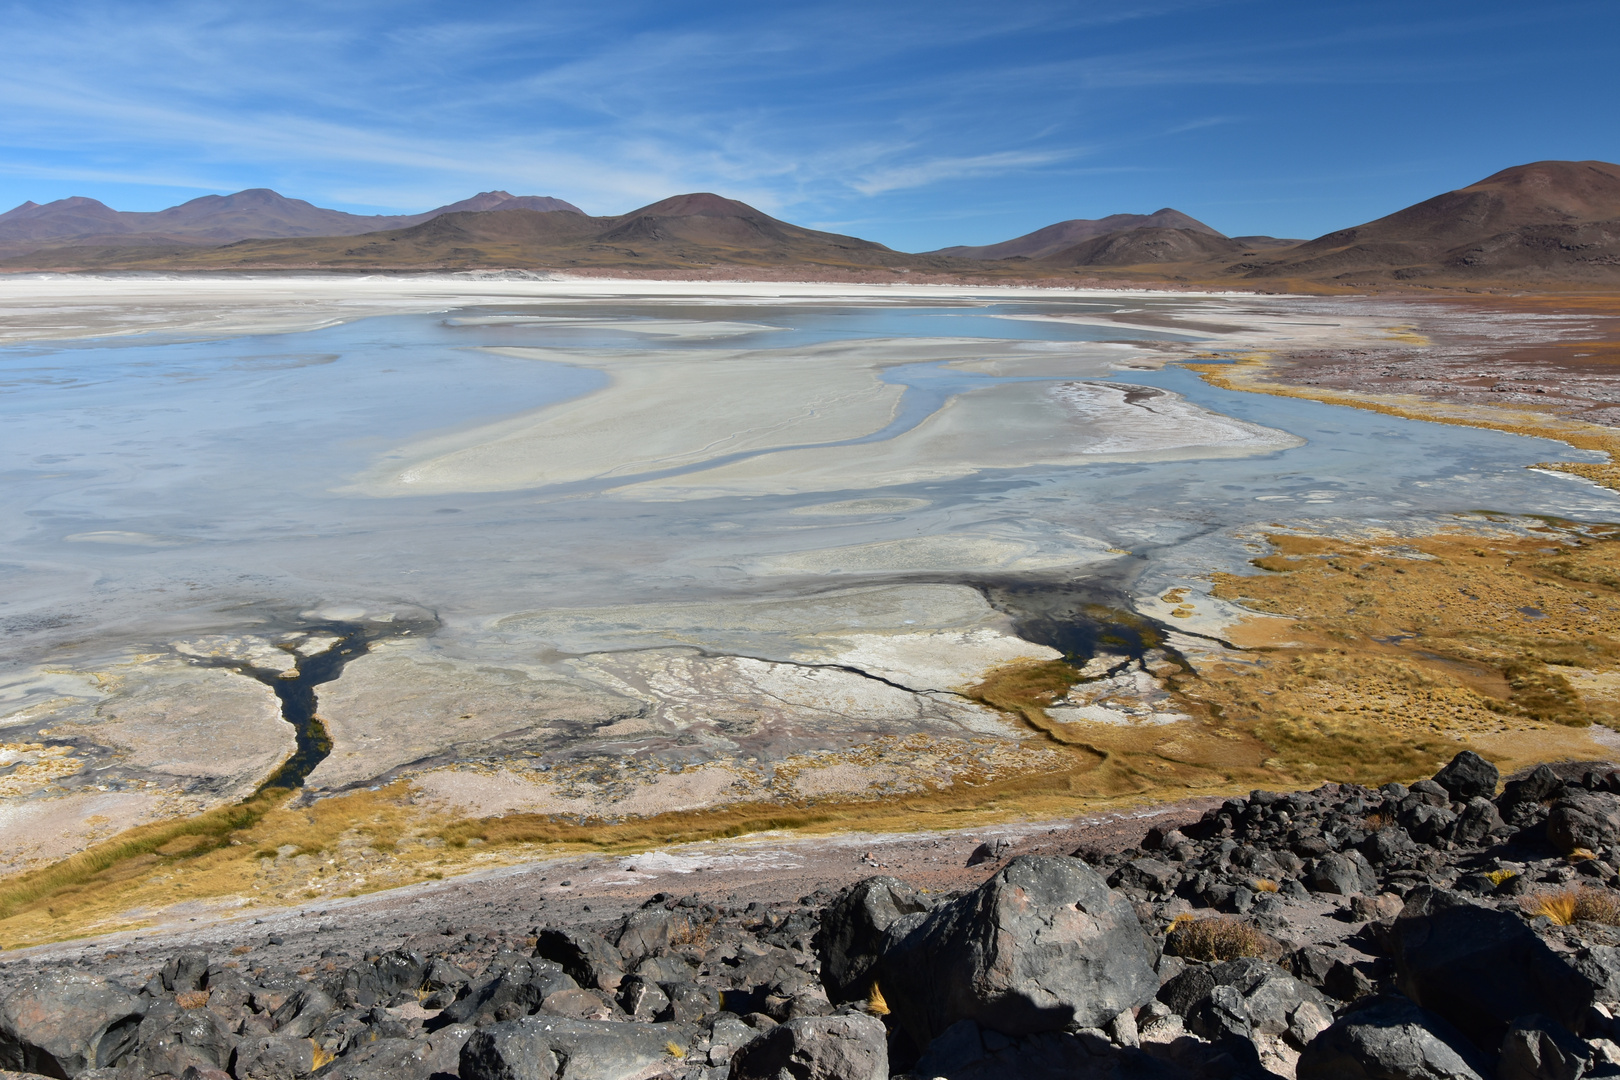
(608, 548)
(153, 484)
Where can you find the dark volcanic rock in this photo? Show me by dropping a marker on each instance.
(303, 1013)
(849, 1046)
(1149, 875)
(588, 960)
(1521, 798)
(1584, 819)
(1468, 776)
(541, 1047)
(275, 1057)
(62, 1025)
(652, 929)
(1536, 1048)
(393, 973)
(1346, 873)
(517, 991)
(171, 1040)
(1390, 1038)
(1041, 946)
(1480, 968)
(852, 929)
(184, 971)
(1477, 821)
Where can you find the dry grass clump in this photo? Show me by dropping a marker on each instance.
(1496, 877)
(875, 1003)
(1265, 885)
(1216, 938)
(1581, 903)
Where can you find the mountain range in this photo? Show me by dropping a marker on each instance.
(221, 219)
(1549, 224)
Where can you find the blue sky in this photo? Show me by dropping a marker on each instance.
(914, 124)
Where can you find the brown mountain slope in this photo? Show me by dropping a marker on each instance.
(681, 232)
(77, 216)
(1140, 247)
(1066, 234)
(1547, 220)
(218, 219)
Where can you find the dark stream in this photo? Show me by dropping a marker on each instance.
(1077, 618)
(297, 693)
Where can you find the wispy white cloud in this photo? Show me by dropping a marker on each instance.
(932, 171)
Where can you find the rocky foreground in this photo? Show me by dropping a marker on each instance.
(1438, 931)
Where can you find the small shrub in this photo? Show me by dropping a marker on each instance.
(1565, 907)
(1265, 885)
(1496, 877)
(1218, 938)
(1378, 819)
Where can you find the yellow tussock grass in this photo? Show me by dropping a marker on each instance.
(1580, 903)
(1212, 939)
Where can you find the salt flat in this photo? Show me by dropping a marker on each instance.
(621, 547)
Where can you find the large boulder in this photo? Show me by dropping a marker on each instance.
(554, 1048)
(1478, 820)
(378, 983)
(1536, 1048)
(1390, 1038)
(172, 1039)
(397, 1058)
(62, 1025)
(969, 1052)
(852, 928)
(303, 1013)
(1428, 824)
(274, 1057)
(1273, 1001)
(1347, 873)
(1600, 965)
(1584, 819)
(1468, 776)
(1521, 798)
(185, 971)
(1149, 875)
(1481, 968)
(1041, 946)
(506, 995)
(587, 958)
(651, 929)
(849, 1046)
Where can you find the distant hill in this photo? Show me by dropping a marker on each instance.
(1066, 234)
(1547, 224)
(682, 232)
(220, 219)
(1549, 220)
(1139, 247)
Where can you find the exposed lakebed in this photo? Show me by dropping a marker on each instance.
(653, 552)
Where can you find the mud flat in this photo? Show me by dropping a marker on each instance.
(621, 562)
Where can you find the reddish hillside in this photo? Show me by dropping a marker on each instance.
(1066, 234)
(1549, 217)
(221, 219)
(1138, 247)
